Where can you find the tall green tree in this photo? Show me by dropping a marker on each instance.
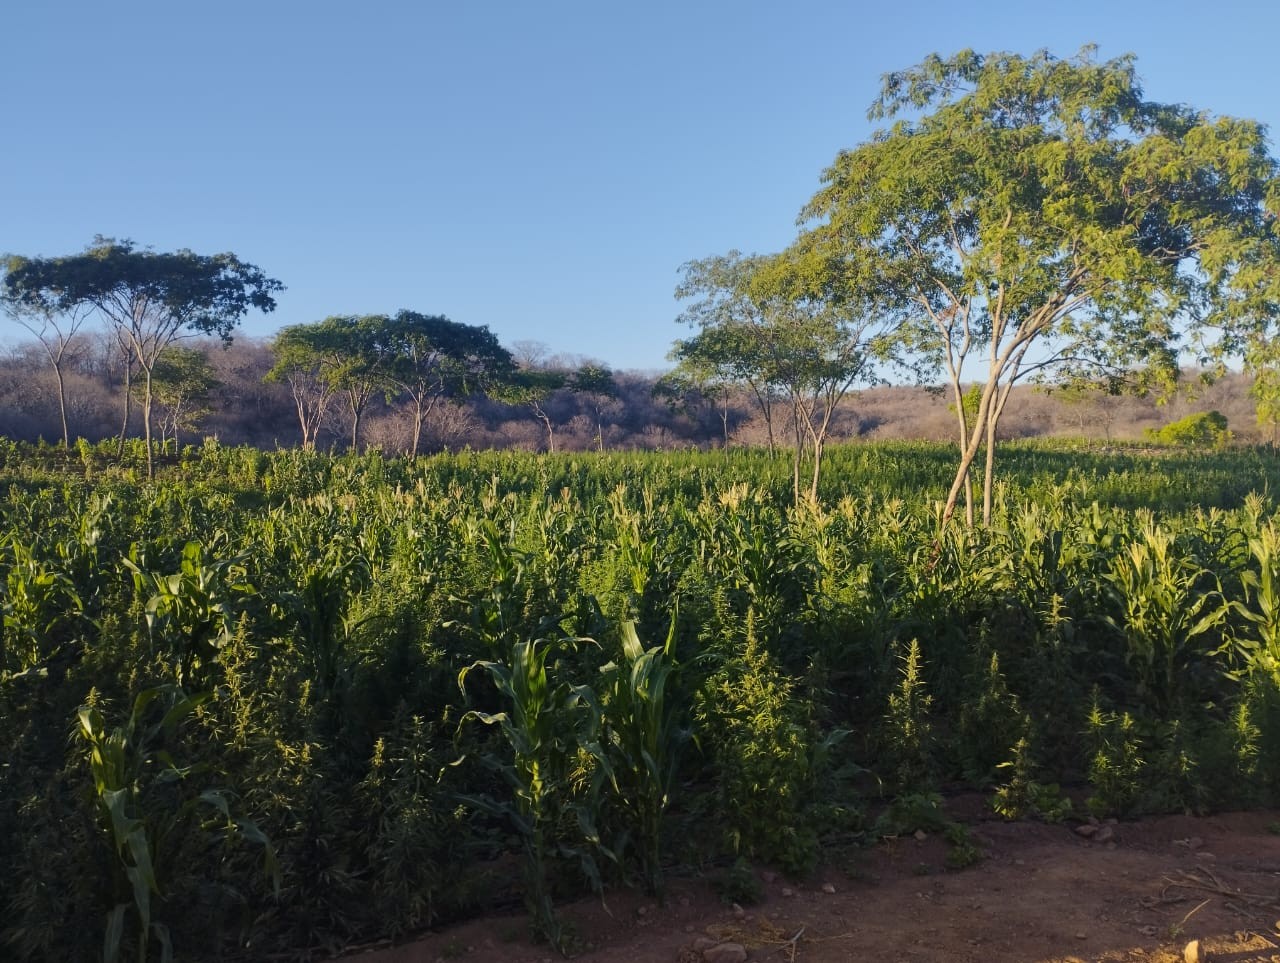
(342, 355)
(728, 347)
(772, 322)
(1034, 213)
(430, 358)
(150, 299)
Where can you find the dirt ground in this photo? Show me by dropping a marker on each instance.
(1136, 892)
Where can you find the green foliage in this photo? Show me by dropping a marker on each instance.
(642, 740)
(1204, 429)
(756, 732)
(1000, 216)
(1022, 796)
(546, 724)
(739, 884)
(329, 604)
(147, 817)
(908, 730)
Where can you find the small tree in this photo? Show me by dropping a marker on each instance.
(182, 380)
(343, 355)
(595, 383)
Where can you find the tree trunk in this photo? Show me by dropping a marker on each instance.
(62, 405)
(988, 479)
(818, 445)
(799, 450)
(418, 418)
(724, 418)
(128, 403)
(146, 419)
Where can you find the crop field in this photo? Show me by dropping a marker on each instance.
(275, 704)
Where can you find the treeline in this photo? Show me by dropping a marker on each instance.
(234, 401)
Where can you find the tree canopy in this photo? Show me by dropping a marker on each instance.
(769, 323)
(1039, 214)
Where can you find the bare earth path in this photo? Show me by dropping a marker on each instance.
(1043, 894)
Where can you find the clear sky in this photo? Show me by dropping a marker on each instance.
(543, 168)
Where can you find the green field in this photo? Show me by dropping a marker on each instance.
(275, 703)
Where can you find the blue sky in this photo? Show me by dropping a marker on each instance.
(542, 168)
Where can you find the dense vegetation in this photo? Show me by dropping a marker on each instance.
(280, 703)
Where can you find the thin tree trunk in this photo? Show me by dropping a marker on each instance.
(128, 403)
(62, 405)
(418, 418)
(818, 447)
(146, 419)
(724, 418)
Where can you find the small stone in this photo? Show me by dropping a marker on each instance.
(1192, 953)
(642, 911)
(688, 927)
(738, 912)
(1208, 857)
(1087, 830)
(1104, 835)
(725, 953)
(828, 888)
(1195, 842)
(1082, 935)
(1148, 930)
(788, 892)
(920, 835)
(702, 944)
(769, 876)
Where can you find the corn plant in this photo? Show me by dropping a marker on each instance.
(38, 605)
(1172, 616)
(193, 610)
(1260, 644)
(131, 770)
(642, 739)
(545, 725)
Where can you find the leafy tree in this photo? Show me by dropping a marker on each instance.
(773, 323)
(182, 381)
(726, 350)
(1039, 213)
(533, 386)
(688, 387)
(595, 382)
(342, 355)
(431, 358)
(150, 299)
